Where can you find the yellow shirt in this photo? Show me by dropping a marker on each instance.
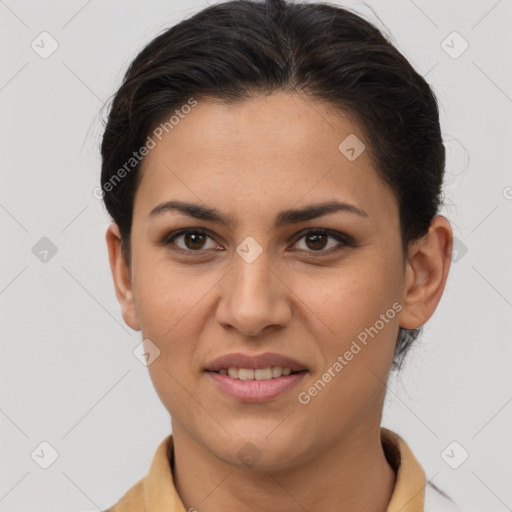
(156, 492)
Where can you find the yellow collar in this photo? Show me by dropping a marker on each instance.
(409, 492)
(156, 492)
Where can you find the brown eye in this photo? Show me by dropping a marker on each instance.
(317, 240)
(192, 240)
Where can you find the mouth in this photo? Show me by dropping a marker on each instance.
(259, 374)
(255, 377)
(248, 385)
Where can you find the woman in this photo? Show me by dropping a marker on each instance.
(273, 171)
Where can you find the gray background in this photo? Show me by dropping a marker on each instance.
(68, 373)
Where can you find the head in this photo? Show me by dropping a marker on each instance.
(244, 125)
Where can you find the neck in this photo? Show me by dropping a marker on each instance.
(353, 474)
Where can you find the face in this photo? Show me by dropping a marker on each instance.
(327, 288)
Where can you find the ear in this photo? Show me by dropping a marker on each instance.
(122, 277)
(427, 266)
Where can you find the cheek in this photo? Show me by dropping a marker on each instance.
(357, 347)
(356, 305)
(171, 315)
(168, 318)
(352, 299)
(166, 298)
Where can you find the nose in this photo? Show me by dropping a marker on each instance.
(254, 298)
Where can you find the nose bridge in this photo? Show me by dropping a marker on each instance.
(252, 296)
(252, 283)
(253, 277)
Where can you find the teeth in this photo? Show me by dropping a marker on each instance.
(263, 374)
(259, 374)
(245, 374)
(277, 371)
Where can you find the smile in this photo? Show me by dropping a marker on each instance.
(271, 372)
(247, 385)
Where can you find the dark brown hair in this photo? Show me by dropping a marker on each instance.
(236, 49)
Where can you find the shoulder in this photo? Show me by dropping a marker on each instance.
(437, 501)
(132, 500)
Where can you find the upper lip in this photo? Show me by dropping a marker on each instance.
(240, 360)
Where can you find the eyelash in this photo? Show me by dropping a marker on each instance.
(344, 240)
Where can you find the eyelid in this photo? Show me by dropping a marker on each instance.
(169, 237)
(343, 240)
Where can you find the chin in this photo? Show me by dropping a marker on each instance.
(260, 449)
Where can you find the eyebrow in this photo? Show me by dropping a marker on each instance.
(290, 216)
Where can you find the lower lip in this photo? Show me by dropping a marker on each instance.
(256, 390)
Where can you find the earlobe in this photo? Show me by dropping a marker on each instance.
(427, 268)
(121, 276)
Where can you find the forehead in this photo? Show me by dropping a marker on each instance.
(252, 154)
(283, 125)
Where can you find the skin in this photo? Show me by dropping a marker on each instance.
(250, 160)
